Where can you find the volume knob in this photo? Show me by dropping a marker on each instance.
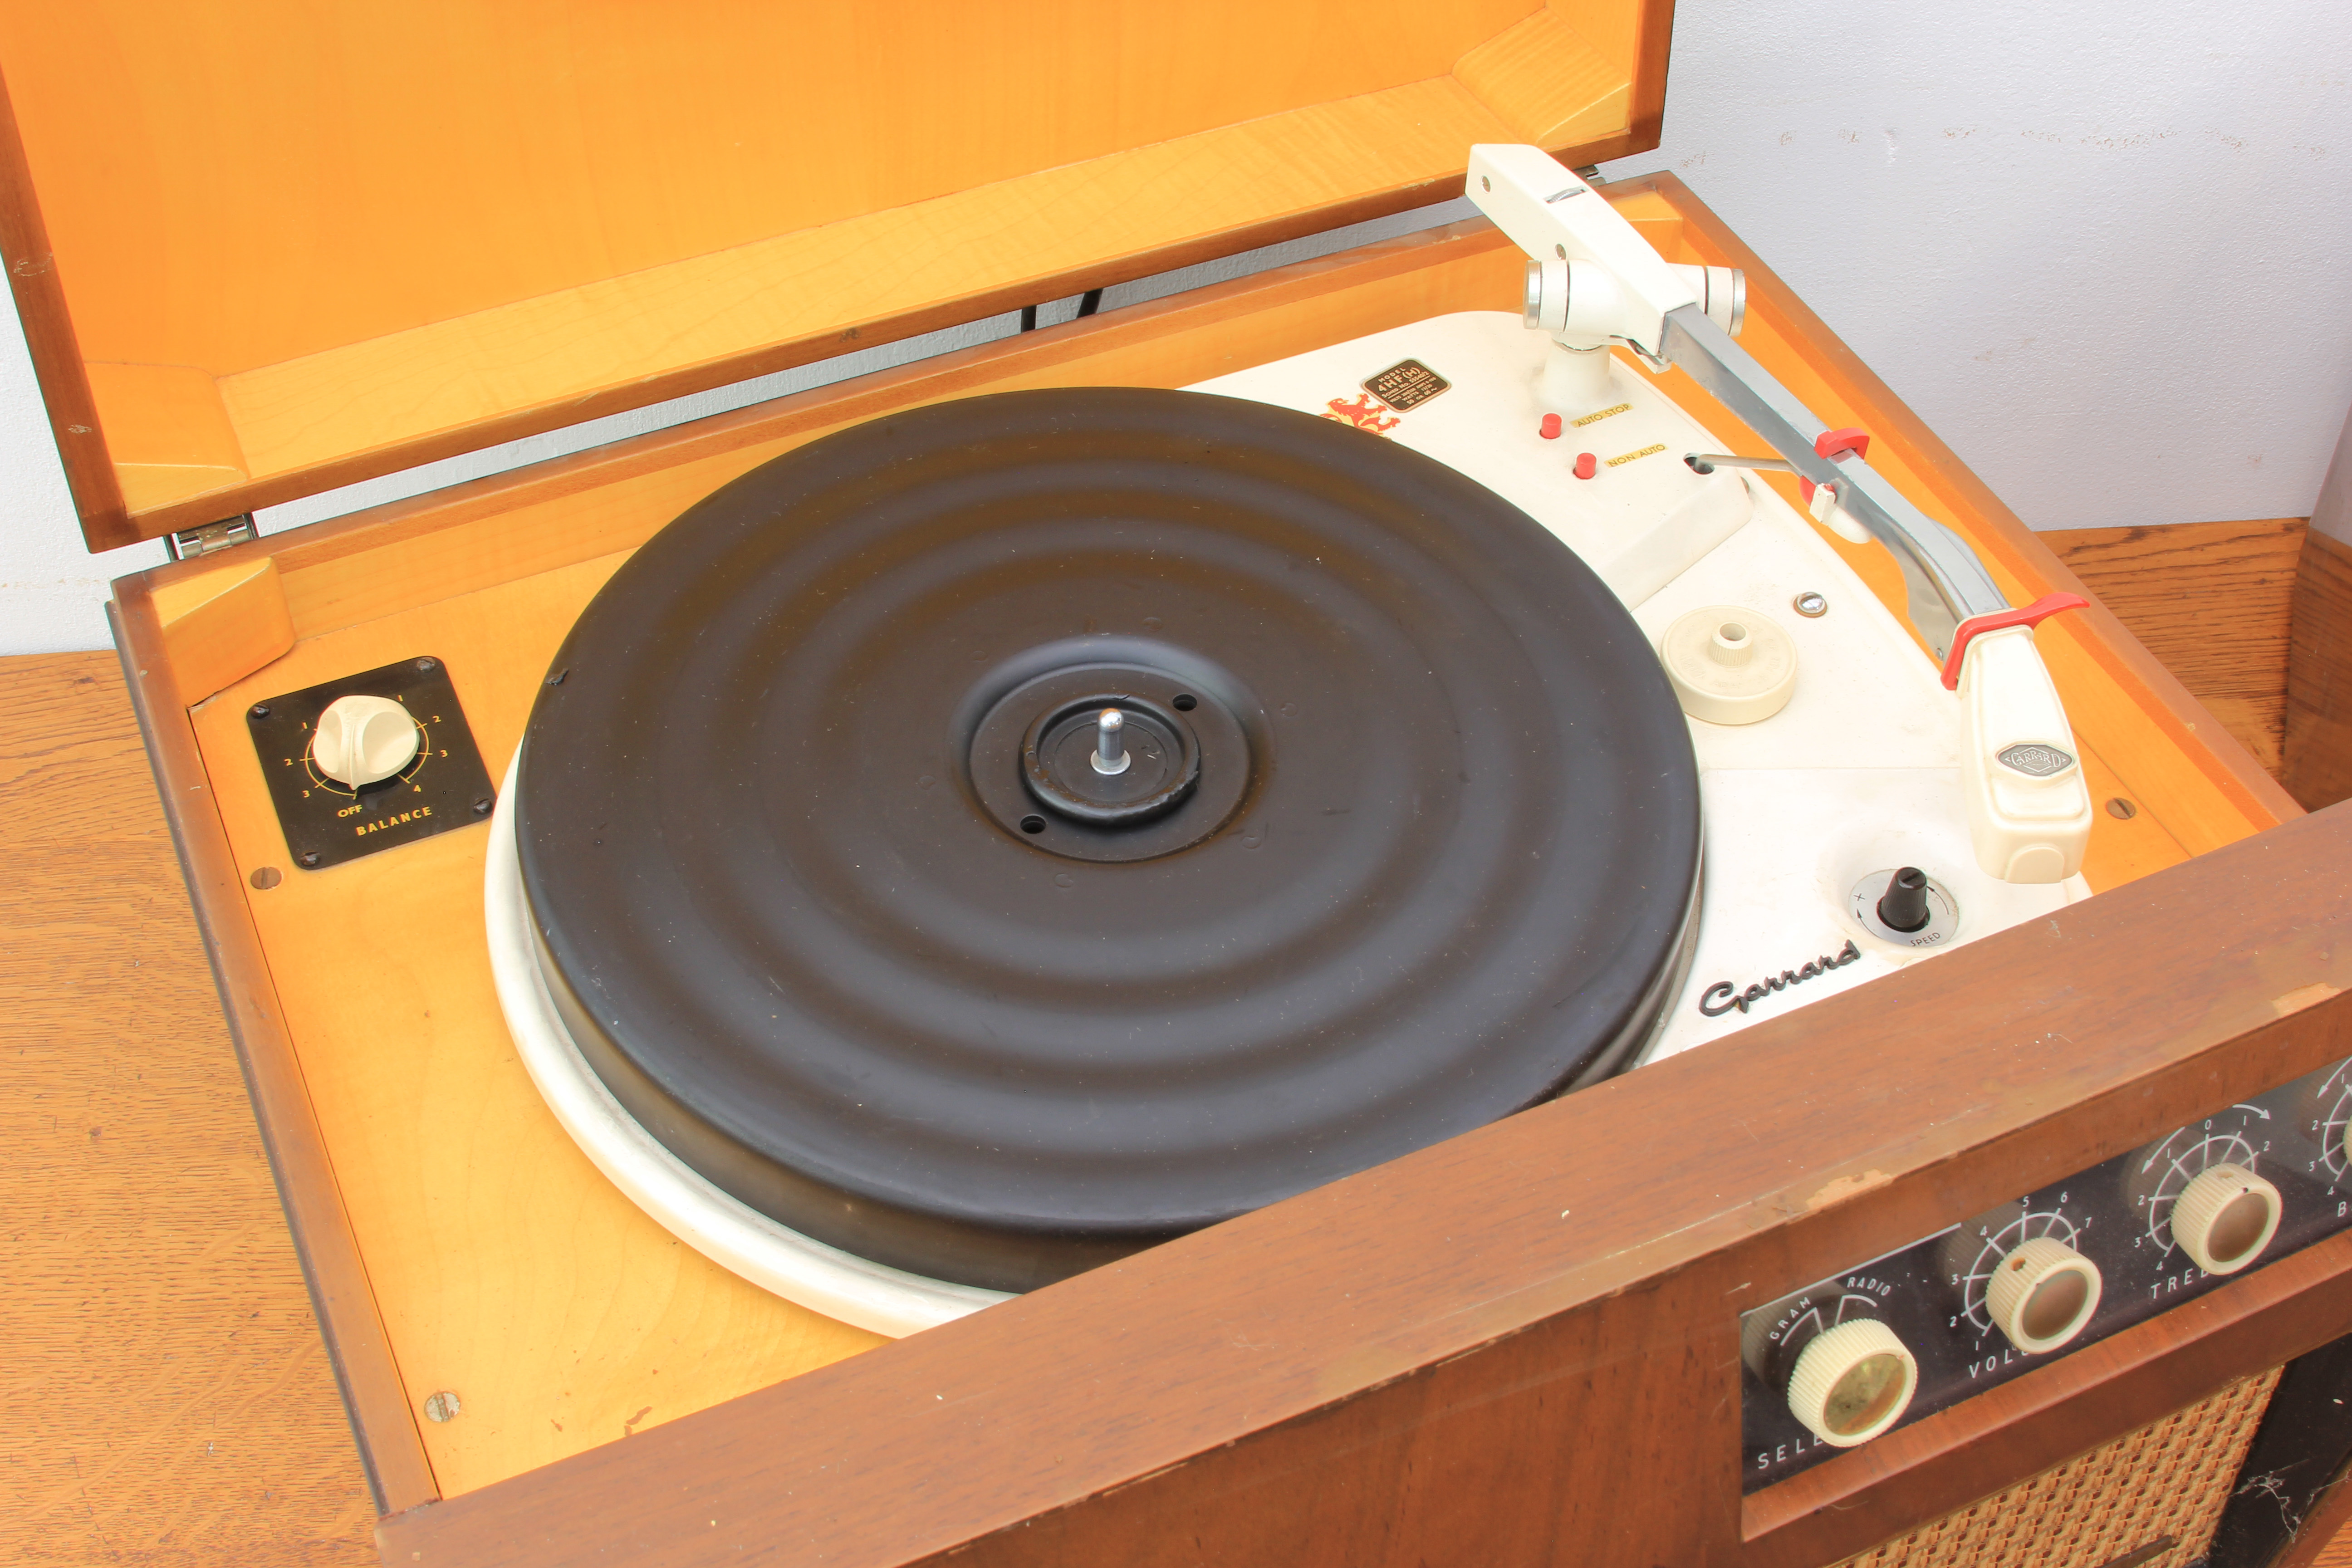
(1851, 1383)
(2224, 1218)
(2042, 1294)
(360, 740)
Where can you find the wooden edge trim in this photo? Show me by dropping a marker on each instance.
(1651, 57)
(2317, 746)
(2030, 1054)
(390, 1450)
(2005, 536)
(56, 352)
(2330, 1515)
(2092, 1396)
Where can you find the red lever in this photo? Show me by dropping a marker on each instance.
(1836, 445)
(2033, 615)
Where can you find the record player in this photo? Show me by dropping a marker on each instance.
(1213, 802)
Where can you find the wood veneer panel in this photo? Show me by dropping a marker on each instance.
(505, 1267)
(302, 249)
(1429, 1313)
(340, 1293)
(2213, 601)
(56, 351)
(173, 1405)
(2319, 743)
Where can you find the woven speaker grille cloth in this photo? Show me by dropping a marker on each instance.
(2168, 1478)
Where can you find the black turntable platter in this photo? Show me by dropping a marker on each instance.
(842, 899)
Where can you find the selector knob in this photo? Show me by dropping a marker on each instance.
(2042, 1294)
(360, 740)
(1851, 1383)
(2224, 1218)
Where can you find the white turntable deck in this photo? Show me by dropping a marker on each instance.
(1860, 773)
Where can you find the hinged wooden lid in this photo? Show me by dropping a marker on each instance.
(265, 249)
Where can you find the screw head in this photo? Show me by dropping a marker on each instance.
(310, 857)
(442, 1406)
(428, 664)
(1811, 604)
(2121, 809)
(482, 807)
(261, 709)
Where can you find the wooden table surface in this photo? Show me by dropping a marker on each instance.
(170, 1399)
(172, 1402)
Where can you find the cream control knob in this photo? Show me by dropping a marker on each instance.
(360, 740)
(2042, 1294)
(1851, 1383)
(1730, 665)
(2224, 1218)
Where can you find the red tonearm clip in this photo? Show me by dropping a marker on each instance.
(2033, 615)
(1836, 445)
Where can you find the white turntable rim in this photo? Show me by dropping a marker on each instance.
(730, 1233)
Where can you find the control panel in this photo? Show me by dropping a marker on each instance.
(370, 761)
(1842, 1360)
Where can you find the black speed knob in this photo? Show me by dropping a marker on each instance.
(1904, 905)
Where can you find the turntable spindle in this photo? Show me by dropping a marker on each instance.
(1110, 754)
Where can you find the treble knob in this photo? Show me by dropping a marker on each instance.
(2224, 1218)
(362, 740)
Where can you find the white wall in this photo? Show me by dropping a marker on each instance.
(2101, 249)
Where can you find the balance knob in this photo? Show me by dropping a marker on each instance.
(362, 739)
(2224, 1218)
(1851, 1383)
(2042, 1294)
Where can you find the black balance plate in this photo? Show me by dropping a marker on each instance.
(326, 823)
(836, 905)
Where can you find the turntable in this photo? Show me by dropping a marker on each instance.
(1311, 892)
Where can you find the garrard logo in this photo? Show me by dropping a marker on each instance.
(2036, 761)
(1722, 996)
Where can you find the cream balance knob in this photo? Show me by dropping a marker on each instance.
(362, 739)
(2224, 1218)
(1730, 665)
(2042, 1294)
(1851, 1383)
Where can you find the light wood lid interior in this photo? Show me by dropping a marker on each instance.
(300, 245)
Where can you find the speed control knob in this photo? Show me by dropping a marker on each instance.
(360, 740)
(2224, 1218)
(1851, 1383)
(2042, 1294)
